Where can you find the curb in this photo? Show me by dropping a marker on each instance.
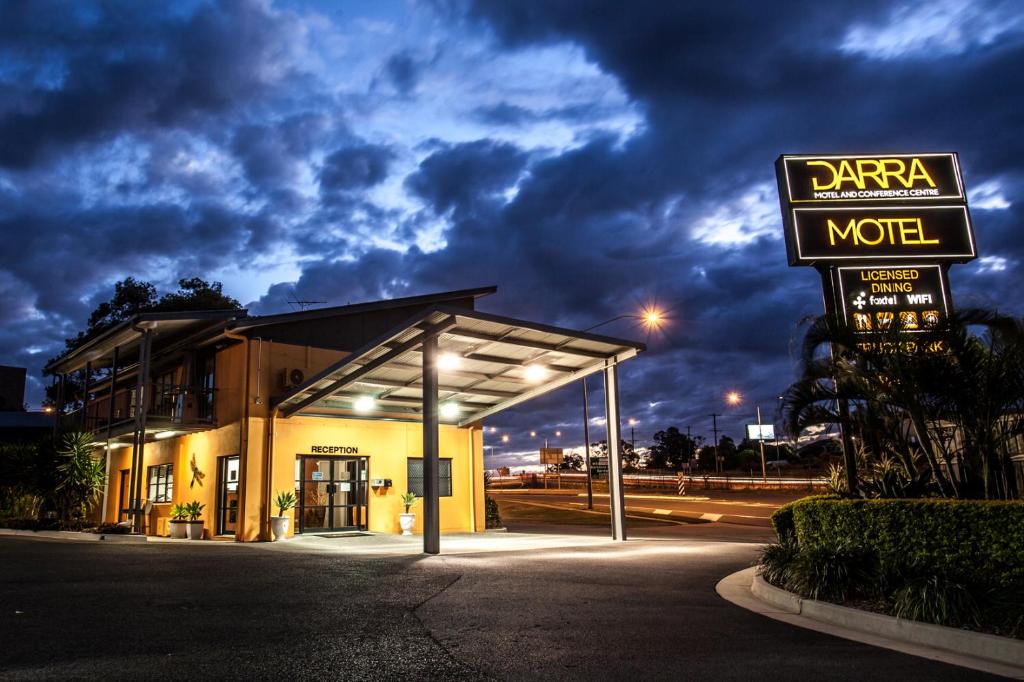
(980, 651)
(73, 535)
(977, 644)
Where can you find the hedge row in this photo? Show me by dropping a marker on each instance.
(982, 539)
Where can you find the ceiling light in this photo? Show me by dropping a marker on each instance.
(166, 434)
(448, 361)
(449, 410)
(535, 373)
(364, 404)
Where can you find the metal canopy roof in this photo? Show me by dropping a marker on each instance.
(488, 364)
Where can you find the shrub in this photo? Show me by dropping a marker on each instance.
(833, 572)
(19, 504)
(936, 599)
(113, 529)
(492, 515)
(942, 535)
(776, 561)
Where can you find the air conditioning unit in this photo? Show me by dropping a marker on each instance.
(290, 378)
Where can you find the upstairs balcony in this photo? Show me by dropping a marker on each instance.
(169, 407)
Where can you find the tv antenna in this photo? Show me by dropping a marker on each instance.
(300, 304)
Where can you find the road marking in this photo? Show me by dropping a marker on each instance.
(663, 511)
(674, 498)
(710, 517)
(588, 511)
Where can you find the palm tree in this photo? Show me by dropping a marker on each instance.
(955, 392)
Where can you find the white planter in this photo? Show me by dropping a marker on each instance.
(179, 530)
(406, 521)
(279, 526)
(195, 530)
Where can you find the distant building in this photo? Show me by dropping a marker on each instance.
(15, 422)
(12, 389)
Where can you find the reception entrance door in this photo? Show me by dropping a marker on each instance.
(332, 493)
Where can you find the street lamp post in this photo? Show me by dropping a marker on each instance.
(651, 318)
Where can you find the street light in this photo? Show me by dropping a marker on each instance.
(651, 318)
(632, 434)
(734, 398)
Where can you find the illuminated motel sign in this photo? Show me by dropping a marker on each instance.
(865, 233)
(871, 177)
(881, 229)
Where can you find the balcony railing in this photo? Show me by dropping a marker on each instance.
(165, 403)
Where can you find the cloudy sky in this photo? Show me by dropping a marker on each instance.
(587, 157)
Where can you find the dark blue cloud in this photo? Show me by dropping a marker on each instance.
(129, 133)
(354, 168)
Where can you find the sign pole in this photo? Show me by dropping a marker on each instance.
(831, 311)
(760, 439)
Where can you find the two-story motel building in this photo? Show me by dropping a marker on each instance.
(348, 406)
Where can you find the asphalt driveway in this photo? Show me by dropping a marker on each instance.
(645, 609)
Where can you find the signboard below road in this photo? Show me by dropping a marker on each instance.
(551, 455)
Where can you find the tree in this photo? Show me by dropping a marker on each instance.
(571, 462)
(132, 297)
(945, 402)
(630, 458)
(671, 450)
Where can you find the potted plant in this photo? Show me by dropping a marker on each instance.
(284, 502)
(179, 526)
(407, 520)
(194, 510)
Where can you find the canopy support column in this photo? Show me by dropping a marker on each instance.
(431, 482)
(142, 389)
(616, 498)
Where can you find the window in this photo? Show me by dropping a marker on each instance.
(444, 475)
(161, 483)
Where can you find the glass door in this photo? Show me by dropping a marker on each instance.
(227, 495)
(124, 495)
(332, 493)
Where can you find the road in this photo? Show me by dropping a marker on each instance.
(752, 508)
(644, 609)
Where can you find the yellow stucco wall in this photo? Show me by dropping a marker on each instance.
(205, 446)
(387, 445)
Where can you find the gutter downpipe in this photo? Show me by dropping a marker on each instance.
(243, 432)
(268, 478)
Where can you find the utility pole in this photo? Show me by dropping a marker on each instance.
(714, 428)
(689, 450)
